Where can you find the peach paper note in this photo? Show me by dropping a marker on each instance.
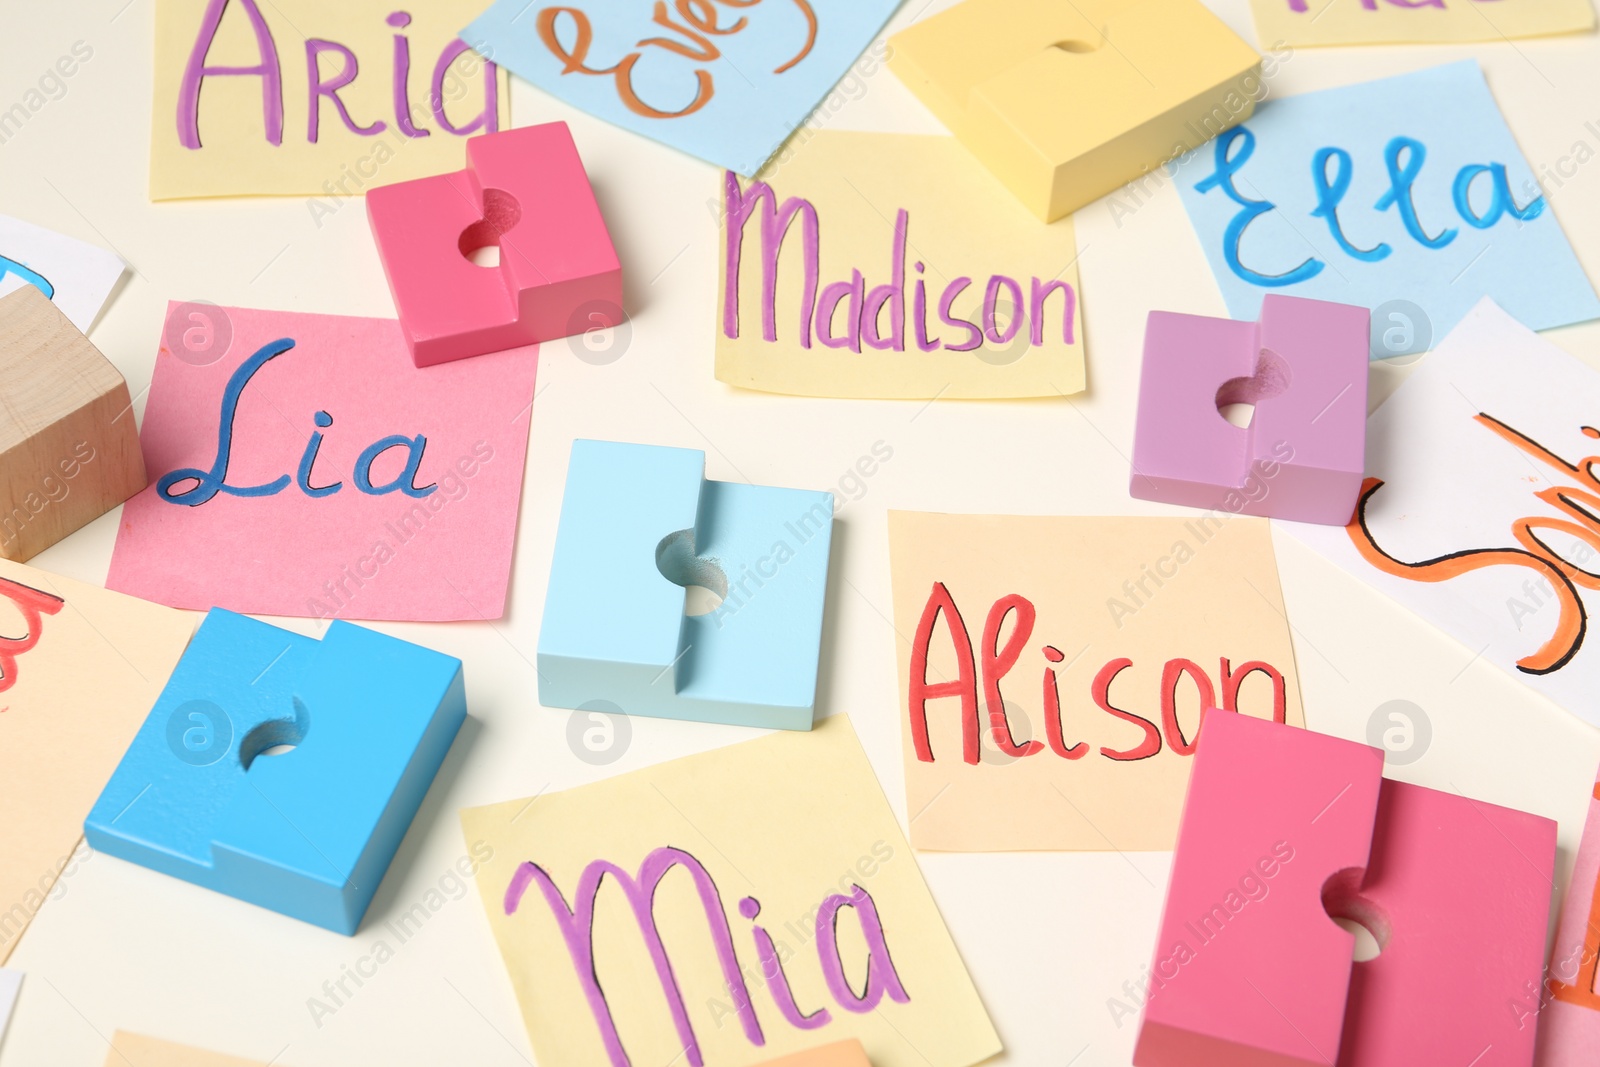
(1053, 670)
(80, 668)
(1569, 1023)
(136, 1050)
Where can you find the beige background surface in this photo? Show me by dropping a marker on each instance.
(125, 947)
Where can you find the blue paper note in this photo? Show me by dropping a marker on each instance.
(1406, 195)
(722, 80)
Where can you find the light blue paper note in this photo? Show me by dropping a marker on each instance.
(724, 80)
(1406, 195)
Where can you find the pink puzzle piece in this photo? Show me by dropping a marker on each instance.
(1283, 828)
(1303, 366)
(525, 191)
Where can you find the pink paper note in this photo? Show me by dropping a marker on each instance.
(404, 508)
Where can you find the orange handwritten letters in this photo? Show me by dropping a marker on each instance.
(1560, 576)
(694, 40)
(726, 81)
(1481, 509)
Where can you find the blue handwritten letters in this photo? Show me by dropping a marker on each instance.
(303, 465)
(1406, 189)
(724, 80)
(193, 487)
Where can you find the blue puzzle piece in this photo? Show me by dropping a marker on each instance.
(308, 832)
(639, 523)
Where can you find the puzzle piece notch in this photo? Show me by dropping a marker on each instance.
(1283, 827)
(1304, 367)
(638, 523)
(310, 832)
(1142, 81)
(525, 191)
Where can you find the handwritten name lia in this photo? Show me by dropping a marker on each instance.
(193, 487)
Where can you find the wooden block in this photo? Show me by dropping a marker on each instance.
(1065, 100)
(69, 449)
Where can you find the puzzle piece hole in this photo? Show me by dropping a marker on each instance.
(1237, 397)
(1356, 915)
(480, 242)
(704, 584)
(1075, 46)
(276, 736)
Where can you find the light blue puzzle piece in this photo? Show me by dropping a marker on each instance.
(639, 523)
(308, 832)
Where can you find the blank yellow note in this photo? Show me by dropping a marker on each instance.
(1319, 22)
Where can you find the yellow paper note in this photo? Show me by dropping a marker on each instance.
(136, 1050)
(1327, 22)
(238, 110)
(1089, 645)
(789, 908)
(80, 668)
(892, 266)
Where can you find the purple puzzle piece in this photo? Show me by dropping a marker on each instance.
(1303, 366)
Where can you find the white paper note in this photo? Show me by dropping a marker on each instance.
(78, 276)
(1487, 519)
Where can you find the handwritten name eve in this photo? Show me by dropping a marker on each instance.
(698, 22)
(577, 930)
(1578, 503)
(321, 88)
(984, 671)
(864, 309)
(1332, 170)
(193, 487)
